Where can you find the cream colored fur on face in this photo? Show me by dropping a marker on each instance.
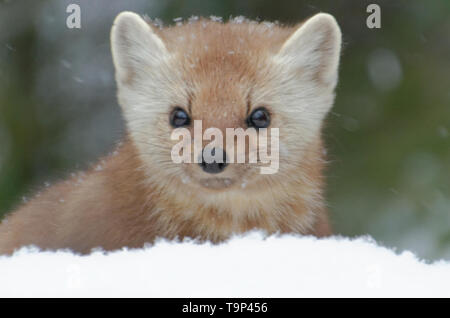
(296, 79)
(299, 83)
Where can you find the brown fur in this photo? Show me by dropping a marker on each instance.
(129, 203)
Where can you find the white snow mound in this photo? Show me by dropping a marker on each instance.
(245, 266)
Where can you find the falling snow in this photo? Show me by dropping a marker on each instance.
(215, 18)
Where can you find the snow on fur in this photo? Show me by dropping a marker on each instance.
(248, 266)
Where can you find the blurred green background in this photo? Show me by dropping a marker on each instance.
(388, 135)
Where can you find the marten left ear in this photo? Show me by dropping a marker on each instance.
(136, 48)
(313, 50)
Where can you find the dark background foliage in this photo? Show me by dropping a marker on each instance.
(388, 135)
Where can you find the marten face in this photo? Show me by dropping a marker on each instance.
(189, 93)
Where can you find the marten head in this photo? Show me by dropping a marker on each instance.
(176, 84)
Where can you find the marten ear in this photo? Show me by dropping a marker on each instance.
(135, 47)
(313, 50)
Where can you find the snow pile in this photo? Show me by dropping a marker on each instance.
(248, 266)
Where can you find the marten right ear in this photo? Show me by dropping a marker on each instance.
(136, 49)
(313, 50)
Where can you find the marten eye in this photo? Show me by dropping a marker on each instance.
(259, 118)
(179, 118)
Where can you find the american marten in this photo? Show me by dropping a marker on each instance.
(237, 74)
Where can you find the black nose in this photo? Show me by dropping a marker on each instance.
(210, 165)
